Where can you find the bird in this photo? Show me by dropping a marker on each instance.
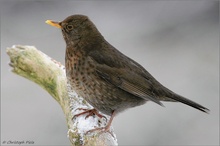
(106, 78)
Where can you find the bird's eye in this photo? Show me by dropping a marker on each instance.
(69, 27)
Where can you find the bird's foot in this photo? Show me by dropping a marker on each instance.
(100, 129)
(106, 128)
(90, 112)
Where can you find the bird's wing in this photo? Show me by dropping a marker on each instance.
(126, 75)
(128, 81)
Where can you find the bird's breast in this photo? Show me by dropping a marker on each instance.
(78, 69)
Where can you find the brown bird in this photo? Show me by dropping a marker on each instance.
(107, 79)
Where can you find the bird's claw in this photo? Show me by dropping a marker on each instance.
(90, 112)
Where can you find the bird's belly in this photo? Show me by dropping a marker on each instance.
(102, 95)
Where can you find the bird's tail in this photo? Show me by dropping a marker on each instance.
(186, 101)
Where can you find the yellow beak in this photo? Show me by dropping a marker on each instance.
(53, 23)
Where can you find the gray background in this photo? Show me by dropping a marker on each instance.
(176, 41)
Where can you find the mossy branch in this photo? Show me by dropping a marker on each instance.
(36, 66)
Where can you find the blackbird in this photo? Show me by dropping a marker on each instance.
(107, 79)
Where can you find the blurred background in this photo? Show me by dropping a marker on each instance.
(176, 41)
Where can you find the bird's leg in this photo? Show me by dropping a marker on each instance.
(107, 127)
(90, 113)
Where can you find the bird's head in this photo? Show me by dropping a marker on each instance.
(75, 28)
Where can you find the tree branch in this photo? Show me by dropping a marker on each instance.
(36, 66)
